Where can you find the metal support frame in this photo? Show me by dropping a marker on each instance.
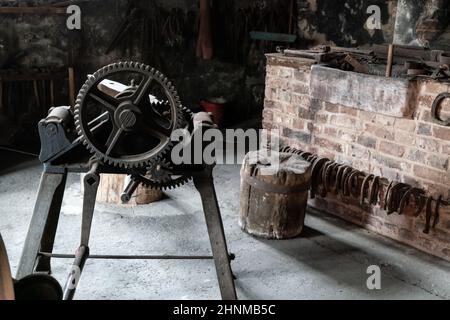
(205, 185)
(43, 225)
(38, 249)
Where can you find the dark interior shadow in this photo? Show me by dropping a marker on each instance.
(12, 162)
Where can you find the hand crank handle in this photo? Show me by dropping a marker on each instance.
(129, 190)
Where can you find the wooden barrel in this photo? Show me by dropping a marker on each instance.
(273, 204)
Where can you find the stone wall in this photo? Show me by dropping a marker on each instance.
(409, 148)
(236, 73)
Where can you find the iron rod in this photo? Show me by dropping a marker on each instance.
(127, 257)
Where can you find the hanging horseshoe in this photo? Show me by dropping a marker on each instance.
(428, 214)
(373, 190)
(363, 188)
(386, 195)
(315, 173)
(436, 211)
(435, 109)
(417, 193)
(352, 183)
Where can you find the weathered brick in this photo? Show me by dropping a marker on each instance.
(299, 135)
(446, 149)
(441, 133)
(279, 83)
(359, 152)
(424, 102)
(433, 88)
(405, 124)
(288, 108)
(417, 156)
(271, 71)
(367, 141)
(390, 174)
(331, 107)
(361, 165)
(384, 120)
(367, 116)
(429, 174)
(424, 129)
(380, 132)
(267, 115)
(348, 137)
(426, 116)
(322, 118)
(328, 144)
(285, 72)
(344, 121)
(350, 111)
(301, 100)
(391, 163)
(268, 104)
(428, 144)
(331, 131)
(270, 93)
(300, 88)
(392, 149)
(284, 95)
(315, 106)
(298, 124)
(303, 112)
(438, 162)
(302, 75)
(404, 137)
(267, 125)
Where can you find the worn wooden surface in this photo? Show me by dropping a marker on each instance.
(271, 214)
(112, 185)
(6, 282)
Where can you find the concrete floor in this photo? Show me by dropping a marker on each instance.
(328, 262)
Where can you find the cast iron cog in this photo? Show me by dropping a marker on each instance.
(126, 129)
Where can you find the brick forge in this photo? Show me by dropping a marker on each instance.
(377, 125)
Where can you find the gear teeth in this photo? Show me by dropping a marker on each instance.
(103, 73)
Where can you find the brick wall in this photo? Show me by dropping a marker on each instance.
(411, 149)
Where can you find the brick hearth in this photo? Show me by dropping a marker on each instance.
(377, 125)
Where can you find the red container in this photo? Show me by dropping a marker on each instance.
(216, 109)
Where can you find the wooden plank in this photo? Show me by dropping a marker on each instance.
(32, 10)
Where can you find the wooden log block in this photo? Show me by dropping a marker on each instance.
(273, 206)
(6, 280)
(111, 188)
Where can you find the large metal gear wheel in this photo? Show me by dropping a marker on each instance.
(131, 129)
